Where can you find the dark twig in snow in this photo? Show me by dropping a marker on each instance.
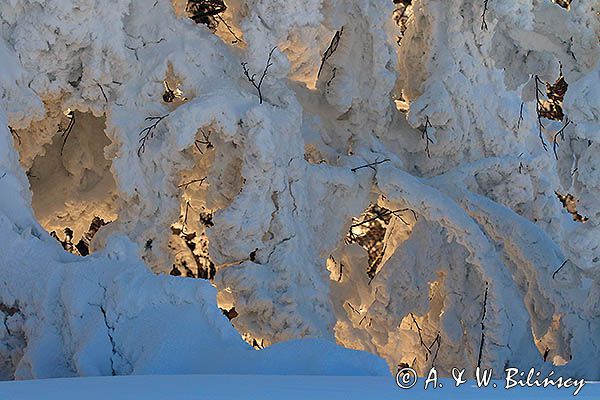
(333, 72)
(148, 132)
(520, 116)
(560, 133)
(384, 214)
(483, 21)
(206, 142)
(371, 165)
(437, 339)
(420, 332)
(559, 268)
(185, 185)
(427, 348)
(539, 107)
(485, 298)
(102, 90)
(331, 49)
(352, 308)
(185, 215)
(237, 39)
(15, 134)
(252, 78)
(425, 135)
(67, 131)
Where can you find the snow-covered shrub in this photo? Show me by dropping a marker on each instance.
(243, 144)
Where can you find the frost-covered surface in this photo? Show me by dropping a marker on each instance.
(216, 387)
(482, 239)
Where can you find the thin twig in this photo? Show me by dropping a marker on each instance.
(188, 206)
(185, 185)
(352, 307)
(102, 90)
(385, 214)
(574, 171)
(560, 133)
(148, 132)
(427, 348)
(520, 116)
(485, 298)
(333, 73)
(371, 165)
(206, 142)
(425, 135)
(559, 268)
(484, 25)
(252, 78)
(331, 49)
(539, 106)
(437, 339)
(15, 134)
(67, 132)
(419, 331)
(237, 39)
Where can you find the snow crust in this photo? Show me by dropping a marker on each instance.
(218, 387)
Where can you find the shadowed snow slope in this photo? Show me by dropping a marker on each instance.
(265, 387)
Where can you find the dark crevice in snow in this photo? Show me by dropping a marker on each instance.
(369, 229)
(109, 329)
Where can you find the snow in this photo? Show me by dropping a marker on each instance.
(267, 387)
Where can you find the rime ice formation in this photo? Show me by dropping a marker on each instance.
(131, 112)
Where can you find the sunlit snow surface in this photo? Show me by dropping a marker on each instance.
(200, 387)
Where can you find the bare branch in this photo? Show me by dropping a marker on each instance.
(427, 348)
(371, 165)
(188, 206)
(148, 132)
(252, 78)
(187, 184)
(384, 214)
(15, 134)
(485, 298)
(539, 109)
(425, 136)
(102, 90)
(333, 73)
(206, 142)
(67, 131)
(484, 26)
(560, 133)
(331, 49)
(237, 39)
(559, 268)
